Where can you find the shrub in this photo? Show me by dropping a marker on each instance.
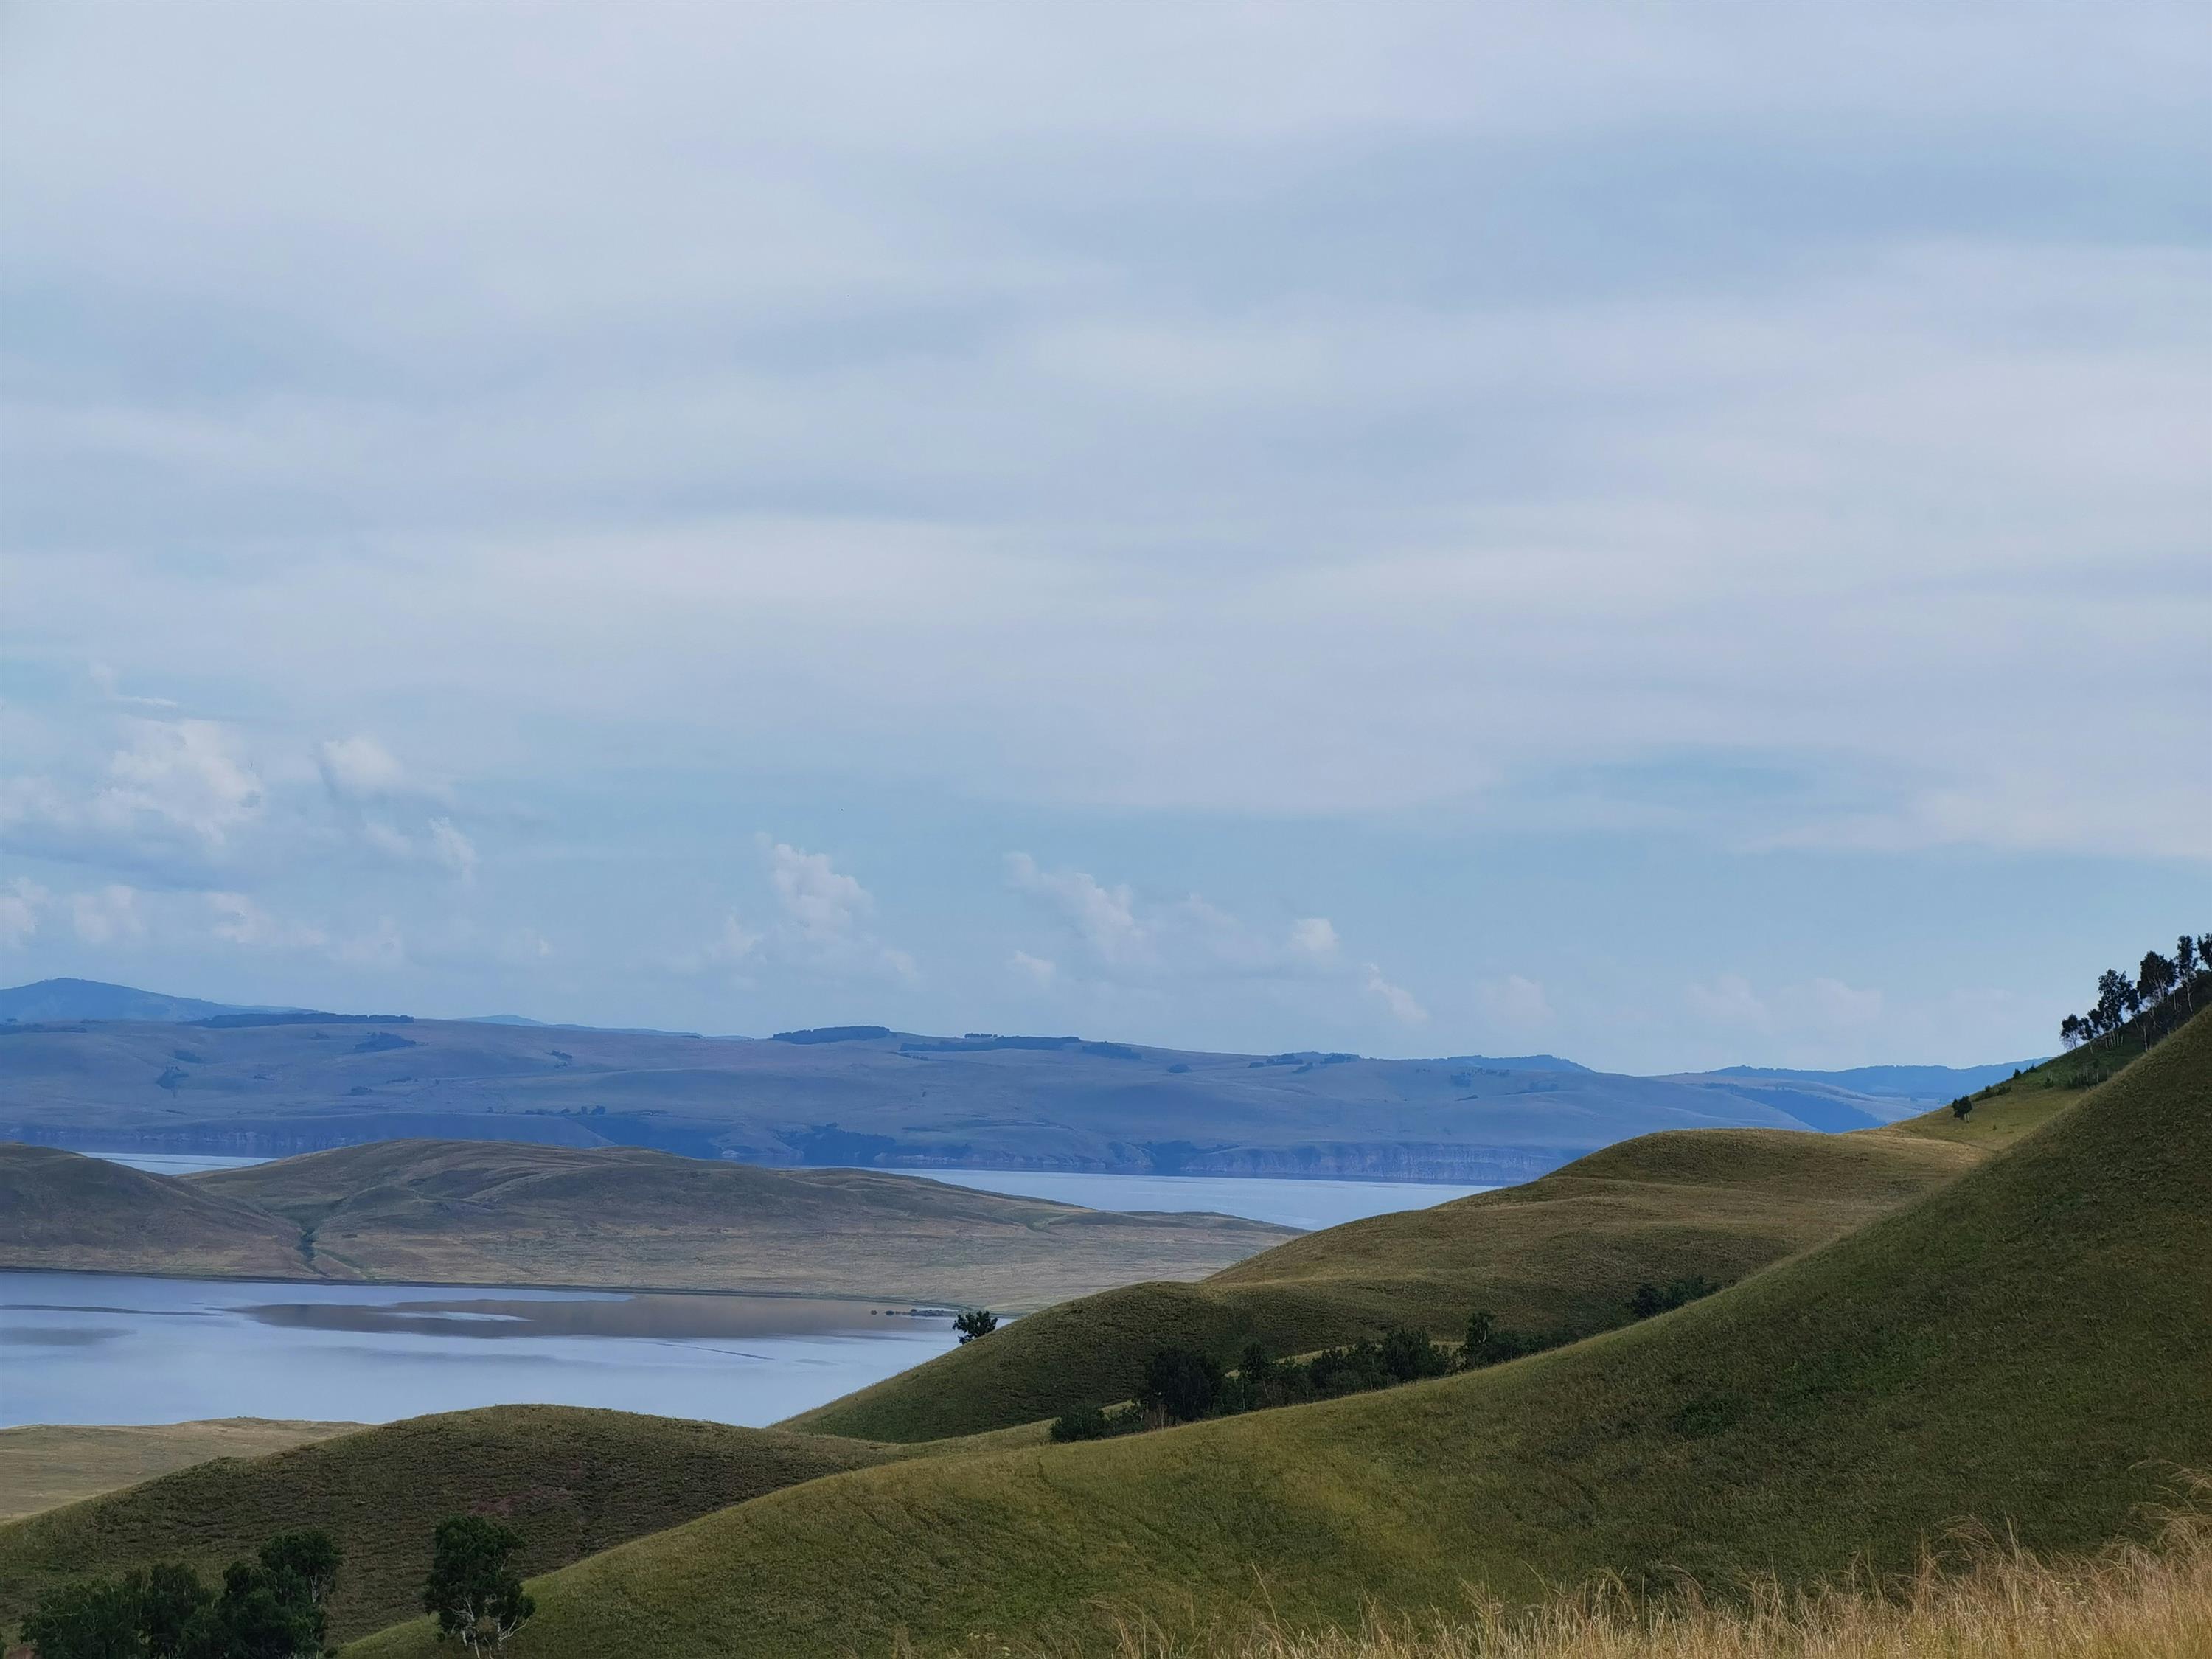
(1409, 1355)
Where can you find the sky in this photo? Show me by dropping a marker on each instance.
(1671, 536)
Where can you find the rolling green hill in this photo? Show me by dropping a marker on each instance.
(1562, 1254)
(573, 1480)
(491, 1213)
(2029, 1343)
(63, 1211)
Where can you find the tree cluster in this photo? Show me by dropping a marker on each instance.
(2161, 995)
(271, 1608)
(1183, 1385)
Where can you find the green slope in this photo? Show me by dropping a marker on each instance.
(2030, 1342)
(573, 1480)
(488, 1213)
(62, 1211)
(1562, 1254)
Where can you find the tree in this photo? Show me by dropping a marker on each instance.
(309, 1557)
(1479, 1325)
(2071, 1033)
(1409, 1355)
(2114, 989)
(2184, 971)
(1961, 1106)
(976, 1321)
(91, 1619)
(1180, 1383)
(473, 1588)
(170, 1597)
(260, 1614)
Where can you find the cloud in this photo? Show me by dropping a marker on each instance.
(1727, 1000)
(1105, 917)
(1821, 1007)
(20, 903)
(1036, 969)
(239, 920)
(1191, 940)
(177, 791)
(823, 926)
(108, 915)
(361, 768)
(1514, 1004)
(1399, 1001)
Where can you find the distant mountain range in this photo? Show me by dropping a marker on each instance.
(109, 1068)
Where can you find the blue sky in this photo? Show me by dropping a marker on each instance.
(1671, 536)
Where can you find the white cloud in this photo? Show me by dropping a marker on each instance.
(823, 926)
(1727, 1000)
(239, 920)
(1036, 969)
(20, 904)
(1188, 940)
(178, 791)
(361, 768)
(1514, 1004)
(108, 915)
(1399, 1001)
(383, 947)
(1105, 917)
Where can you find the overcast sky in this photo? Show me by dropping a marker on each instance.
(1670, 535)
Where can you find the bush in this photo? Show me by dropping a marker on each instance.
(1409, 1356)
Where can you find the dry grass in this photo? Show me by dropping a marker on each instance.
(1982, 1599)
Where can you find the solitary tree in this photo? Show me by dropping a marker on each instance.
(1962, 1105)
(976, 1321)
(473, 1588)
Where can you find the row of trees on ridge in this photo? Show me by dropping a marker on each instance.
(2164, 993)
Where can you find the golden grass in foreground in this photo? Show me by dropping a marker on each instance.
(1985, 1601)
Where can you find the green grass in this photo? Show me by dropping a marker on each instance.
(573, 1481)
(1562, 1254)
(44, 1465)
(61, 1210)
(2031, 1342)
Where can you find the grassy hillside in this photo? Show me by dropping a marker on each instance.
(573, 1481)
(490, 1212)
(60, 1211)
(1562, 1254)
(2030, 1342)
(45, 1465)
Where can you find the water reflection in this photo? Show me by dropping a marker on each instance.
(95, 1348)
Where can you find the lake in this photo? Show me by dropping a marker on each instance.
(1288, 1203)
(111, 1348)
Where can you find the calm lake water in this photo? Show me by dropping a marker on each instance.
(101, 1348)
(1308, 1204)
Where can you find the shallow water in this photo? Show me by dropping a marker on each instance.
(1308, 1204)
(101, 1348)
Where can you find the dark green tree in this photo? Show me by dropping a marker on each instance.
(473, 1588)
(976, 1321)
(260, 1614)
(1180, 1383)
(170, 1597)
(91, 1619)
(1962, 1105)
(1409, 1355)
(310, 1556)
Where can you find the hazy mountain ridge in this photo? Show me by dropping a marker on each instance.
(272, 1083)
